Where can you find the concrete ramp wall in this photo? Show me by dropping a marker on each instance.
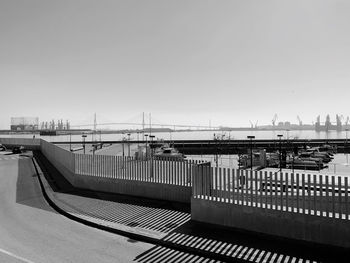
(310, 228)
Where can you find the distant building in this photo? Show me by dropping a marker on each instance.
(24, 123)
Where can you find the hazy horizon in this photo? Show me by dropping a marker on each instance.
(186, 62)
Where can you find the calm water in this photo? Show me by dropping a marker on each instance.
(200, 135)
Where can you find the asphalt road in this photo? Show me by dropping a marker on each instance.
(31, 231)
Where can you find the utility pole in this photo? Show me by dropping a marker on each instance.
(280, 155)
(251, 152)
(150, 124)
(128, 144)
(70, 141)
(84, 136)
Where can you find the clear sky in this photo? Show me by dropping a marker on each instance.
(183, 61)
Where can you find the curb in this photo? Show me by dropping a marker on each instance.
(137, 237)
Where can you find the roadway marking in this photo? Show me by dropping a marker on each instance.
(15, 256)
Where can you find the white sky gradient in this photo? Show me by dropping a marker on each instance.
(183, 61)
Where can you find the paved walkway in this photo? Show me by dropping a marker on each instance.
(169, 223)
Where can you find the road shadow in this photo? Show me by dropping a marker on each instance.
(28, 191)
(232, 245)
(161, 254)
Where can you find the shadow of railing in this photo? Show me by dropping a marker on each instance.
(161, 254)
(230, 245)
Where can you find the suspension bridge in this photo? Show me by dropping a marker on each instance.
(143, 121)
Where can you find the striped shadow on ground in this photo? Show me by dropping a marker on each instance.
(156, 219)
(160, 254)
(230, 246)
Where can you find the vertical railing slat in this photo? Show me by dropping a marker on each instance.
(315, 194)
(298, 191)
(303, 193)
(309, 192)
(340, 211)
(320, 200)
(346, 189)
(233, 172)
(327, 196)
(333, 196)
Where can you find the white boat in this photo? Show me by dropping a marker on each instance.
(165, 151)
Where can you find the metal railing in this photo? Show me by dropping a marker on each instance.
(165, 171)
(311, 194)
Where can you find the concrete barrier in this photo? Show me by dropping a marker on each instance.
(27, 143)
(304, 227)
(136, 188)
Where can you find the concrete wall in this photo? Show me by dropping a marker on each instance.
(27, 143)
(136, 188)
(310, 228)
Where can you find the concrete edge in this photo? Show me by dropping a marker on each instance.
(134, 236)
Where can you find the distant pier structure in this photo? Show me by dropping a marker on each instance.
(328, 125)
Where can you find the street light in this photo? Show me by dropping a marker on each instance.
(251, 151)
(70, 141)
(128, 144)
(346, 145)
(123, 140)
(138, 140)
(84, 136)
(151, 143)
(346, 140)
(280, 155)
(146, 135)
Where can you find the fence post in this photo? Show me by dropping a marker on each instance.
(340, 198)
(233, 186)
(346, 198)
(333, 196)
(229, 184)
(315, 195)
(309, 192)
(327, 197)
(256, 188)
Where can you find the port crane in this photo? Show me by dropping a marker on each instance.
(300, 122)
(274, 120)
(347, 120)
(252, 125)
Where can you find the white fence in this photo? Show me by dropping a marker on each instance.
(311, 194)
(162, 179)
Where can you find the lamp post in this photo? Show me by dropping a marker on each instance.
(128, 144)
(70, 141)
(84, 136)
(146, 135)
(123, 140)
(280, 155)
(346, 140)
(346, 145)
(151, 137)
(251, 151)
(138, 140)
